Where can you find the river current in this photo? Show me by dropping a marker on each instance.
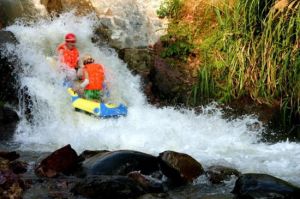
(207, 136)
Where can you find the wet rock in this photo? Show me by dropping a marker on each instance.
(139, 60)
(218, 196)
(9, 155)
(4, 164)
(87, 154)
(180, 167)
(9, 11)
(63, 160)
(120, 163)
(53, 6)
(217, 174)
(10, 185)
(149, 184)
(169, 82)
(155, 196)
(7, 37)
(8, 123)
(252, 186)
(26, 100)
(18, 167)
(59, 6)
(8, 66)
(103, 187)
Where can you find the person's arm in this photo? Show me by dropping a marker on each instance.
(86, 80)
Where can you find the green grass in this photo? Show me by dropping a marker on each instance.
(253, 52)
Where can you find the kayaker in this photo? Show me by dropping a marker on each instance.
(68, 56)
(92, 79)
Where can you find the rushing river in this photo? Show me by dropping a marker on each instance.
(207, 136)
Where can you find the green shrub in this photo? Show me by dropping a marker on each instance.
(169, 8)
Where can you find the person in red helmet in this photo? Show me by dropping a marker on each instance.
(68, 53)
(68, 56)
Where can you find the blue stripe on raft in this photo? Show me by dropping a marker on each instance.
(112, 112)
(74, 98)
(97, 110)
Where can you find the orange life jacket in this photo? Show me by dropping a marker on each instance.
(96, 76)
(69, 57)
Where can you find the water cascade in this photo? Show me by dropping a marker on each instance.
(208, 137)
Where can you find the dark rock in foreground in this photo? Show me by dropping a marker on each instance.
(104, 187)
(217, 174)
(254, 186)
(8, 122)
(149, 184)
(64, 160)
(11, 184)
(120, 163)
(180, 167)
(9, 155)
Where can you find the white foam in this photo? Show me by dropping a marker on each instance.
(207, 137)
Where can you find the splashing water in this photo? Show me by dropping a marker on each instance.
(207, 136)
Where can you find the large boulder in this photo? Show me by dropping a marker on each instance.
(120, 163)
(62, 160)
(170, 82)
(8, 123)
(9, 85)
(8, 65)
(180, 167)
(253, 185)
(139, 60)
(59, 6)
(9, 11)
(130, 23)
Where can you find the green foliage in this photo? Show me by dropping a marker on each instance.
(260, 54)
(253, 51)
(178, 42)
(179, 49)
(169, 8)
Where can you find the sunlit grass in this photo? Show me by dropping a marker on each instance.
(246, 48)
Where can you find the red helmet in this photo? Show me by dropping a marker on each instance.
(70, 37)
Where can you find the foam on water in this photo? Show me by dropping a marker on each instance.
(207, 136)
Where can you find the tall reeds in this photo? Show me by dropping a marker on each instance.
(246, 48)
(259, 42)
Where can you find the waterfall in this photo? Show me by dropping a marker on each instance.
(207, 136)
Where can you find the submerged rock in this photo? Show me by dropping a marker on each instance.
(217, 174)
(180, 167)
(103, 187)
(149, 184)
(18, 167)
(9, 155)
(254, 186)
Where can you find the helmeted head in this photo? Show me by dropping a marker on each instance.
(87, 59)
(70, 37)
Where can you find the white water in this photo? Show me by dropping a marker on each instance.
(207, 137)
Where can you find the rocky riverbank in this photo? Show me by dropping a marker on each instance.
(128, 174)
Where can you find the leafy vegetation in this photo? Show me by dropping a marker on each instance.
(246, 48)
(169, 8)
